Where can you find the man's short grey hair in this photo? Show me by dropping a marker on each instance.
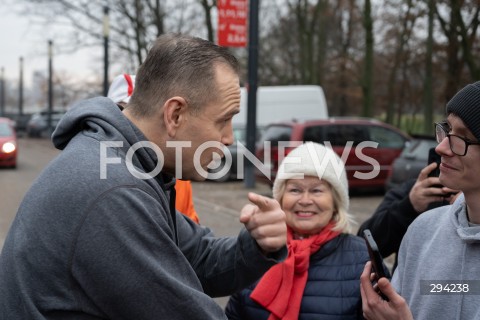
(179, 65)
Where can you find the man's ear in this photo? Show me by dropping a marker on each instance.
(175, 109)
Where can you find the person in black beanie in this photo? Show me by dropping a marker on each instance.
(442, 245)
(465, 105)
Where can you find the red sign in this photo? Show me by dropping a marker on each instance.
(232, 23)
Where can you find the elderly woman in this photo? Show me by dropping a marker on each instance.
(320, 277)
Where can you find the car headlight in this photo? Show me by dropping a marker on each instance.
(9, 147)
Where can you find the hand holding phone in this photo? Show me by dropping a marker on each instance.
(433, 156)
(375, 258)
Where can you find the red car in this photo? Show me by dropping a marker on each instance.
(367, 146)
(8, 143)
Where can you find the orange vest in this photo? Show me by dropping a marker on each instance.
(184, 199)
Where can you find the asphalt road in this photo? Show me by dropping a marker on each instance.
(217, 204)
(34, 154)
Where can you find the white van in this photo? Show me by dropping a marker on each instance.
(280, 103)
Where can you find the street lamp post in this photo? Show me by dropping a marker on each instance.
(252, 90)
(106, 31)
(20, 89)
(2, 94)
(50, 86)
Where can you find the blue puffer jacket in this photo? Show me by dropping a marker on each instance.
(333, 286)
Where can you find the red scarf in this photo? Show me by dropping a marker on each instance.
(280, 290)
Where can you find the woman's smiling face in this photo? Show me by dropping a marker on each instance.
(308, 204)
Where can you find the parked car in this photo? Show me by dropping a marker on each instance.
(20, 121)
(411, 161)
(218, 172)
(37, 126)
(8, 143)
(353, 139)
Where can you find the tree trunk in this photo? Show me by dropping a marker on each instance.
(403, 38)
(367, 84)
(207, 8)
(427, 87)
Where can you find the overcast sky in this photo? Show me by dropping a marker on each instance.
(20, 37)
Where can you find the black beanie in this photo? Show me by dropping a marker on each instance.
(466, 105)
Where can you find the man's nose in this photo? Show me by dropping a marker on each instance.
(227, 138)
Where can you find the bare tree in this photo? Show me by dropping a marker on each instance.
(407, 24)
(311, 37)
(454, 61)
(134, 24)
(367, 81)
(468, 32)
(347, 17)
(333, 40)
(423, 50)
(428, 91)
(207, 6)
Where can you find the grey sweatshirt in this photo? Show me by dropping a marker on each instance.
(440, 248)
(93, 241)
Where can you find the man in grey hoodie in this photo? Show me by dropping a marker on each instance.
(438, 273)
(97, 235)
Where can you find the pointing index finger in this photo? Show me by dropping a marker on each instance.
(263, 203)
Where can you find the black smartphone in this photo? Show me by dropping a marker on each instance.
(375, 258)
(434, 157)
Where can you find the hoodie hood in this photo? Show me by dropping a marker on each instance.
(102, 120)
(97, 117)
(459, 219)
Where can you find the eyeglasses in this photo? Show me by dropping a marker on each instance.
(458, 145)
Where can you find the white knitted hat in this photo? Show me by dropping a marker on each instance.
(313, 159)
(121, 88)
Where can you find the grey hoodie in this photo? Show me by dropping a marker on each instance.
(440, 248)
(92, 241)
